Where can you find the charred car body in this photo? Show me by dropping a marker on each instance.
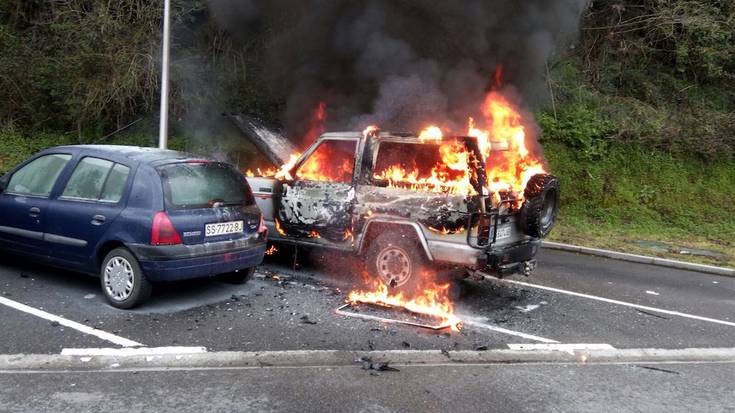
(338, 195)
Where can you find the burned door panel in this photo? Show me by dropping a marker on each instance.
(437, 211)
(319, 204)
(316, 209)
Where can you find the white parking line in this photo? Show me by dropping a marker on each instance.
(618, 302)
(120, 341)
(468, 321)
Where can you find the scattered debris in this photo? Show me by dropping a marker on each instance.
(651, 292)
(305, 320)
(55, 323)
(368, 364)
(481, 348)
(90, 296)
(652, 314)
(657, 369)
(406, 344)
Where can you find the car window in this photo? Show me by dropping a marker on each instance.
(87, 179)
(115, 185)
(38, 177)
(332, 161)
(203, 185)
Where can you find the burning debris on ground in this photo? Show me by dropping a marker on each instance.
(428, 306)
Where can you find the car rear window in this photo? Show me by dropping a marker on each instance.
(204, 185)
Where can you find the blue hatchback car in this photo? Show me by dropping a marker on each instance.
(132, 215)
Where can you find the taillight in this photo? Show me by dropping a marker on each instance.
(163, 231)
(261, 227)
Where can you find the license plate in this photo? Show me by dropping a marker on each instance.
(223, 228)
(503, 232)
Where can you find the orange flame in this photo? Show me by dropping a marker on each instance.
(272, 250)
(316, 124)
(279, 228)
(321, 166)
(511, 169)
(450, 175)
(504, 145)
(348, 235)
(431, 133)
(314, 234)
(447, 231)
(432, 301)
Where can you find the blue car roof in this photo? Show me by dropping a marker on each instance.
(146, 155)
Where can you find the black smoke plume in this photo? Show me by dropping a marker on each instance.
(400, 63)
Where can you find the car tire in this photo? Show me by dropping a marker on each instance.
(395, 259)
(539, 210)
(238, 277)
(124, 284)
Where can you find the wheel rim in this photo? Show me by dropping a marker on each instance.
(394, 266)
(547, 212)
(119, 278)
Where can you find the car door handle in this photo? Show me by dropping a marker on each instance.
(98, 220)
(34, 212)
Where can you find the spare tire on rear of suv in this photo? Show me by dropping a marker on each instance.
(541, 205)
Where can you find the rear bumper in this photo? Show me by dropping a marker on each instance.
(511, 259)
(500, 260)
(180, 262)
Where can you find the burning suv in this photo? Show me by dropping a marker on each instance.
(408, 202)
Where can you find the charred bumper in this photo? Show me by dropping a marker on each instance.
(511, 259)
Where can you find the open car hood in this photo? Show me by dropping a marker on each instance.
(269, 141)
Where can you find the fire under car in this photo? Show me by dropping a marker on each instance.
(404, 203)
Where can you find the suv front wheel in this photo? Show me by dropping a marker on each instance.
(123, 282)
(396, 260)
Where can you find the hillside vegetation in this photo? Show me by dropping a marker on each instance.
(640, 126)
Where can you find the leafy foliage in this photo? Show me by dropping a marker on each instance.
(660, 72)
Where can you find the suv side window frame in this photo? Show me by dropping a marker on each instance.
(59, 177)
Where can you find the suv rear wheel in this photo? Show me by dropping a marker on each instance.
(539, 210)
(123, 282)
(396, 260)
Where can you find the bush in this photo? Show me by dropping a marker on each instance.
(17, 147)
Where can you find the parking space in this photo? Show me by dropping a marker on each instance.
(570, 299)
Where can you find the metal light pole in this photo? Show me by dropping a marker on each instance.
(163, 129)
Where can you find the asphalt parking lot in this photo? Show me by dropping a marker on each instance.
(570, 299)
